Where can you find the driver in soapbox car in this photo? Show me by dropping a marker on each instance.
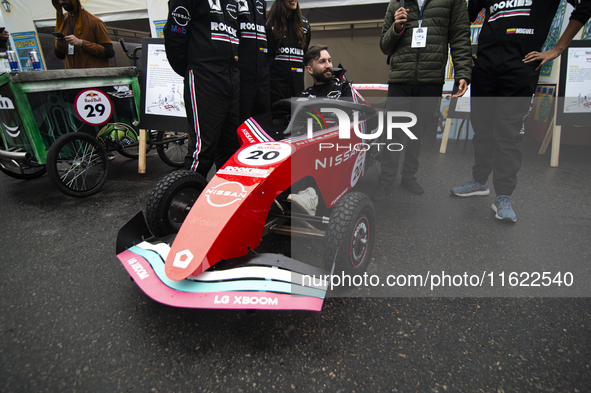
(197, 247)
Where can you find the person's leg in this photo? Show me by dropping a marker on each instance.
(399, 100)
(483, 101)
(192, 144)
(208, 109)
(425, 101)
(514, 105)
(262, 99)
(228, 143)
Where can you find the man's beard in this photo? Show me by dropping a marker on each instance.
(68, 7)
(321, 77)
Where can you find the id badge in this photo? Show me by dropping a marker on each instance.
(419, 37)
(70, 49)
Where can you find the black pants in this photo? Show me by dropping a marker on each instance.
(212, 112)
(286, 84)
(501, 99)
(421, 100)
(255, 98)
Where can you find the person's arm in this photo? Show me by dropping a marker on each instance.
(308, 36)
(61, 48)
(96, 50)
(460, 46)
(176, 40)
(579, 17)
(4, 36)
(102, 49)
(392, 27)
(474, 8)
(346, 90)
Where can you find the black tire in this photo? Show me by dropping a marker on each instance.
(171, 200)
(174, 152)
(350, 235)
(77, 164)
(20, 170)
(128, 147)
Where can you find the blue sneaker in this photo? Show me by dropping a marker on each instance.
(504, 209)
(471, 188)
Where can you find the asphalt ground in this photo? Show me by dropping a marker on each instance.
(72, 320)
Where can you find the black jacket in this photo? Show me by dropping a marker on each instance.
(202, 38)
(253, 50)
(514, 28)
(286, 63)
(335, 89)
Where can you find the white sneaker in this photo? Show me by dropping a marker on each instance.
(306, 200)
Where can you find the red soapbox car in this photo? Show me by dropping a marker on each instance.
(196, 249)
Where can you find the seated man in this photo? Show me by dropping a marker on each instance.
(326, 85)
(319, 64)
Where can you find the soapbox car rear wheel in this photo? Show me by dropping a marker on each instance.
(350, 235)
(77, 164)
(174, 147)
(129, 145)
(21, 170)
(171, 200)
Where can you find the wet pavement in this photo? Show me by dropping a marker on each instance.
(72, 320)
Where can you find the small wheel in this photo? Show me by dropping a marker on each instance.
(77, 164)
(173, 153)
(350, 235)
(128, 145)
(171, 200)
(21, 170)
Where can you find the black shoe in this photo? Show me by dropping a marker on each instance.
(380, 192)
(412, 185)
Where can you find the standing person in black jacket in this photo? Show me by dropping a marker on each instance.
(201, 41)
(504, 79)
(289, 35)
(252, 60)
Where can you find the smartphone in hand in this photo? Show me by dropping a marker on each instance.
(58, 35)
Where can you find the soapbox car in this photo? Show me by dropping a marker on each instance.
(196, 249)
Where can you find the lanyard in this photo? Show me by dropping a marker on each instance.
(72, 26)
(421, 6)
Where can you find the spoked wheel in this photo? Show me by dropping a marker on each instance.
(122, 137)
(77, 164)
(175, 148)
(350, 235)
(171, 200)
(129, 144)
(21, 170)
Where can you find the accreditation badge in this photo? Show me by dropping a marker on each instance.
(419, 37)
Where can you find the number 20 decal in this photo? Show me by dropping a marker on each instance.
(94, 107)
(263, 154)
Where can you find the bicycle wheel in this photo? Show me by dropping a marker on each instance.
(175, 148)
(129, 144)
(21, 170)
(77, 164)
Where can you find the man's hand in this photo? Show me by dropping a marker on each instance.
(72, 39)
(462, 85)
(400, 19)
(61, 45)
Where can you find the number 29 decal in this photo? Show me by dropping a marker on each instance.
(94, 107)
(264, 154)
